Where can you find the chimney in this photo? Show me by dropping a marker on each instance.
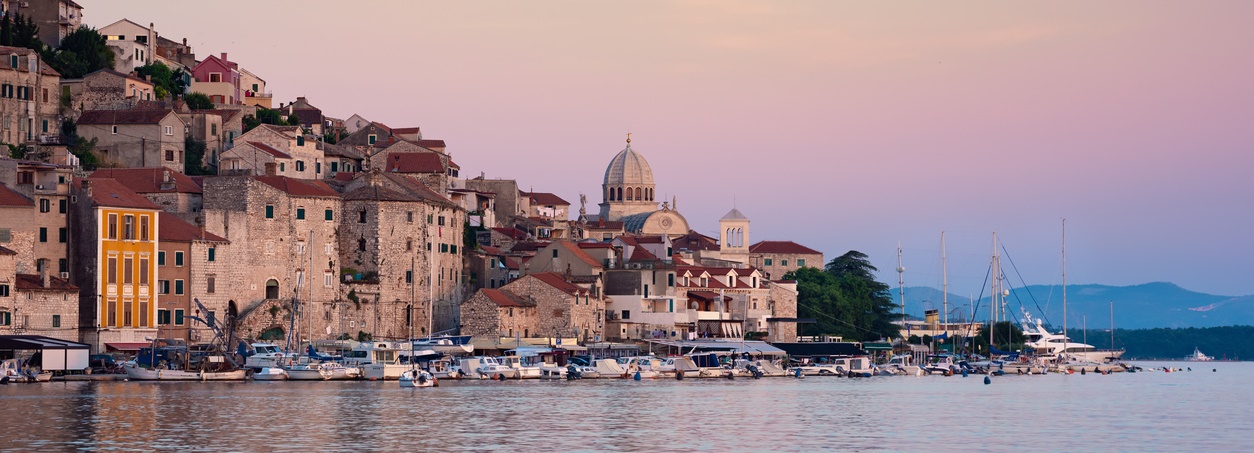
(224, 57)
(43, 271)
(87, 188)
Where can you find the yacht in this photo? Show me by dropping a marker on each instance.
(378, 360)
(1197, 356)
(1052, 344)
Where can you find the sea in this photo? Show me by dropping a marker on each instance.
(1204, 407)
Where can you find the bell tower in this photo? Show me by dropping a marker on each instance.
(733, 237)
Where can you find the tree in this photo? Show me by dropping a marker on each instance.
(268, 116)
(194, 149)
(845, 300)
(162, 78)
(20, 31)
(81, 52)
(198, 101)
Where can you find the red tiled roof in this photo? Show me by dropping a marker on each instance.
(543, 198)
(649, 240)
(596, 245)
(640, 254)
(557, 281)
(678, 260)
(417, 188)
(513, 263)
(171, 228)
(512, 233)
(8, 197)
(119, 74)
(706, 295)
(603, 224)
(782, 247)
(490, 250)
(432, 143)
(108, 192)
(414, 163)
(406, 130)
(579, 253)
(149, 180)
(298, 187)
(35, 282)
(270, 149)
(382, 126)
(43, 68)
(124, 116)
(504, 298)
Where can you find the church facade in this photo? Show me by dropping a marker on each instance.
(628, 196)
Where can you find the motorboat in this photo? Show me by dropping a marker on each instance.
(1197, 356)
(1050, 344)
(417, 377)
(378, 360)
(262, 355)
(492, 368)
(270, 374)
(451, 345)
(942, 364)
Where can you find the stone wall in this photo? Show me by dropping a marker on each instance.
(777, 268)
(481, 317)
(784, 305)
(48, 311)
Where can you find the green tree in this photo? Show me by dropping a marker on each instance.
(194, 149)
(198, 101)
(268, 116)
(20, 31)
(81, 52)
(845, 299)
(162, 78)
(79, 146)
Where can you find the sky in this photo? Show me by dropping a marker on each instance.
(838, 125)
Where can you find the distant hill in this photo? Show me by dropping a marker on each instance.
(1144, 306)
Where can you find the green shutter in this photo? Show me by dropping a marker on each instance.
(300, 213)
(212, 253)
(269, 212)
(329, 215)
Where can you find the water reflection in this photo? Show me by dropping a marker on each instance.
(1144, 411)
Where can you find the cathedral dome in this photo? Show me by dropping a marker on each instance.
(628, 168)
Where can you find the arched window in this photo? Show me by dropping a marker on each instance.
(620, 194)
(638, 197)
(272, 289)
(609, 195)
(361, 244)
(629, 194)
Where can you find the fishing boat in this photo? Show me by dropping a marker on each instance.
(1197, 356)
(138, 373)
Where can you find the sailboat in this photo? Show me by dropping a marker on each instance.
(415, 377)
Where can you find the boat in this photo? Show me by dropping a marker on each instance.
(446, 344)
(417, 378)
(1197, 356)
(270, 374)
(524, 371)
(1054, 345)
(11, 370)
(138, 373)
(378, 360)
(491, 368)
(264, 355)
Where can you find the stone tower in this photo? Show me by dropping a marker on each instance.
(733, 236)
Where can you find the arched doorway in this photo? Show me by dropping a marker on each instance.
(272, 289)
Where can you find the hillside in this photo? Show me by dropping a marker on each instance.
(1145, 306)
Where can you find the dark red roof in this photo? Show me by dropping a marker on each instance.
(640, 254)
(149, 180)
(504, 298)
(543, 198)
(406, 130)
(124, 116)
(557, 281)
(35, 282)
(171, 228)
(108, 192)
(299, 187)
(596, 245)
(431, 143)
(782, 247)
(512, 233)
(5, 251)
(706, 295)
(414, 163)
(8, 197)
(271, 150)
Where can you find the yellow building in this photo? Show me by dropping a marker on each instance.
(117, 261)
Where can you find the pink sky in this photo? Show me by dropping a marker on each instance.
(838, 125)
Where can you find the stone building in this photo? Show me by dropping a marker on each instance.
(309, 116)
(107, 89)
(174, 192)
(562, 309)
(305, 154)
(565, 257)
(287, 232)
(497, 313)
(256, 159)
(136, 138)
(487, 268)
(45, 222)
(45, 305)
(55, 18)
(206, 127)
(507, 203)
(628, 186)
(17, 230)
(776, 258)
(30, 103)
(436, 170)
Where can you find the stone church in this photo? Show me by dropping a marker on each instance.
(628, 196)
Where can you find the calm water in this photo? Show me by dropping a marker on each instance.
(1186, 411)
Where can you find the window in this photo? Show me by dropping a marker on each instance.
(143, 313)
(783, 263)
(43, 234)
(361, 244)
(126, 314)
(670, 279)
(161, 258)
(318, 167)
(327, 279)
(163, 317)
(128, 271)
(6, 318)
(409, 216)
(430, 218)
(213, 129)
(63, 206)
(213, 253)
(143, 271)
(361, 216)
(163, 287)
(113, 271)
(143, 228)
(452, 249)
(409, 276)
(441, 222)
(801, 263)
(45, 205)
(269, 211)
(300, 165)
(113, 226)
(115, 130)
(178, 259)
(409, 244)
(4, 290)
(766, 262)
(13, 61)
(63, 265)
(373, 138)
(45, 122)
(178, 317)
(128, 227)
(113, 313)
(335, 166)
(444, 248)
(209, 283)
(282, 167)
(300, 140)
(300, 213)
(169, 130)
(169, 155)
(215, 76)
(254, 87)
(178, 287)
(6, 235)
(329, 215)
(56, 321)
(626, 314)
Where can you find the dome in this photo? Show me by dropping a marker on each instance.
(628, 168)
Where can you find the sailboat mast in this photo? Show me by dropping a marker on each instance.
(1064, 286)
(901, 282)
(1112, 324)
(944, 285)
(992, 300)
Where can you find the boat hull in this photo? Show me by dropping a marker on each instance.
(147, 374)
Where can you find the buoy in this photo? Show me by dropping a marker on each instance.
(636, 376)
(679, 375)
(796, 372)
(964, 372)
(1214, 370)
(1190, 368)
(1081, 371)
(988, 380)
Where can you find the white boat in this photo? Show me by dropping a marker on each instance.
(1197, 356)
(646, 367)
(491, 368)
(524, 371)
(1054, 345)
(307, 370)
(378, 360)
(270, 374)
(267, 355)
(158, 374)
(414, 378)
(445, 345)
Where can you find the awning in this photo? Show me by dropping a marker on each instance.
(126, 346)
(752, 347)
(36, 342)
